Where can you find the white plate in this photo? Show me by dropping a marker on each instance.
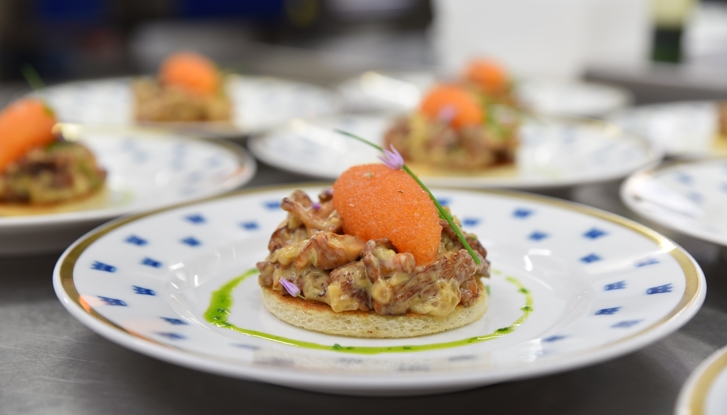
(402, 91)
(682, 128)
(555, 152)
(570, 97)
(704, 391)
(689, 197)
(146, 169)
(599, 286)
(258, 102)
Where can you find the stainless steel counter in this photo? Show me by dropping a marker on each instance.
(52, 364)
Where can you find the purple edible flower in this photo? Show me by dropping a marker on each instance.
(447, 113)
(315, 205)
(392, 158)
(291, 288)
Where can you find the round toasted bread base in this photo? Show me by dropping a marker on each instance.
(318, 316)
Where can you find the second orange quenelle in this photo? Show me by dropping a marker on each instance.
(488, 75)
(375, 201)
(463, 105)
(190, 71)
(24, 125)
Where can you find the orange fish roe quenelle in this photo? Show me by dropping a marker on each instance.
(464, 106)
(24, 125)
(190, 71)
(375, 201)
(488, 75)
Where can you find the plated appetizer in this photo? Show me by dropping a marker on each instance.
(37, 166)
(189, 88)
(455, 129)
(374, 258)
(469, 125)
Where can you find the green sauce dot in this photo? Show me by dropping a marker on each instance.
(337, 346)
(527, 308)
(524, 290)
(504, 330)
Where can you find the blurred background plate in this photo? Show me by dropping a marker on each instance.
(402, 91)
(689, 197)
(689, 128)
(259, 103)
(146, 169)
(703, 393)
(555, 152)
(572, 97)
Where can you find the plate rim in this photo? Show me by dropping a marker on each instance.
(688, 305)
(654, 155)
(693, 395)
(242, 157)
(634, 110)
(631, 203)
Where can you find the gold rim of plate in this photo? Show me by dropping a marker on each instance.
(698, 395)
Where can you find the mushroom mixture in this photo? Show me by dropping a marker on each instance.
(56, 173)
(156, 102)
(438, 144)
(310, 250)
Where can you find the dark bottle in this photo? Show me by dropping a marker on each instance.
(669, 17)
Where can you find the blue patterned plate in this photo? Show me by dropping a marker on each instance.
(682, 128)
(689, 197)
(146, 169)
(259, 103)
(571, 286)
(704, 391)
(554, 152)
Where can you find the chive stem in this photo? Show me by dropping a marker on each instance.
(32, 78)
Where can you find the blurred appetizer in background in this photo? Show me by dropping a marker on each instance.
(373, 257)
(467, 125)
(37, 166)
(189, 88)
(491, 83)
(459, 128)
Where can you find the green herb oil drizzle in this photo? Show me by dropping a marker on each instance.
(221, 305)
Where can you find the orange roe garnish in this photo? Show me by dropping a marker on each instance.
(375, 201)
(24, 125)
(190, 71)
(488, 75)
(460, 102)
